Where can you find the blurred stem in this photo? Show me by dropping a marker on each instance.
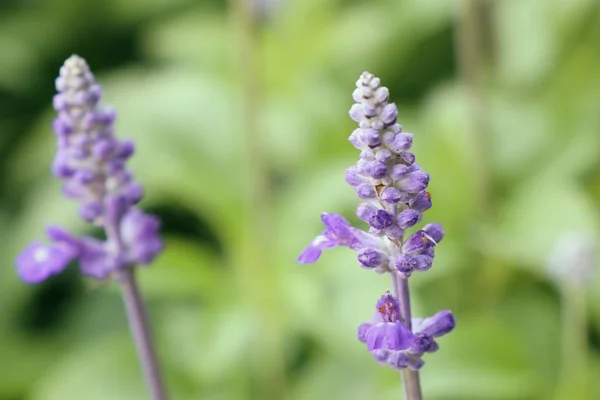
(471, 64)
(474, 44)
(411, 380)
(258, 281)
(140, 330)
(573, 377)
(137, 317)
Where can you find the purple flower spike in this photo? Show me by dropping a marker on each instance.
(394, 193)
(91, 162)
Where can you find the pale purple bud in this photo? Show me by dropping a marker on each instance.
(434, 231)
(401, 143)
(370, 258)
(381, 219)
(408, 218)
(389, 114)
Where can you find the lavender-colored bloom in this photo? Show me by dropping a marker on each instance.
(394, 190)
(338, 232)
(387, 331)
(91, 162)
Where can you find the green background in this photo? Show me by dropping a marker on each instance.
(241, 130)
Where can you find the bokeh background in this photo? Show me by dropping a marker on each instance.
(239, 113)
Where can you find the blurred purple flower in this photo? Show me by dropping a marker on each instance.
(91, 162)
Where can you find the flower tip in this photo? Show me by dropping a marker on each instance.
(310, 255)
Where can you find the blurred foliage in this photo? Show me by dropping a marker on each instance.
(234, 316)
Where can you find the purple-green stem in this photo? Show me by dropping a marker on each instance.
(410, 379)
(140, 330)
(138, 319)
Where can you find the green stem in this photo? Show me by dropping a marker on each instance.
(256, 277)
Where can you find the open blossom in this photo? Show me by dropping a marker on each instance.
(91, 162)
(386, 331)
(393, 192)
(392, 343)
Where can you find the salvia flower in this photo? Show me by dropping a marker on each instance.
(392, 343)
(91, 162)
(393, 192)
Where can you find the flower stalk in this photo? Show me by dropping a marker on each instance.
(140, 331)
(410, 378)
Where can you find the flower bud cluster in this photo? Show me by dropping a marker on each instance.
(91, 161)
(394, 193)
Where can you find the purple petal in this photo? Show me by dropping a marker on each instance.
(418, 242)
(398, 337)
(58, 234)
(423, 343)
(408, 218)
(140, 234)
(389, 336)
(370, 257)
(436, 325)
(38, 262)
(401, 142)
(435, 231)
(398, 360)
(375, 337)
(381, 356)
(309, 255)
(422, 202)
(96, 260)
(363, 329)
(424, 262)
(405, 263)
(380, 219)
